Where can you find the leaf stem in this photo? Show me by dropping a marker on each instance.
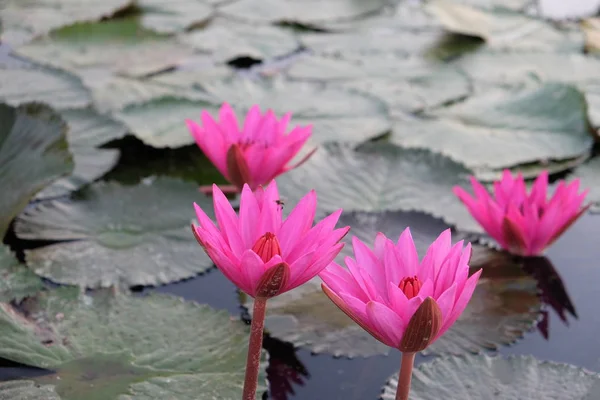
(255, 348)
(406, 367)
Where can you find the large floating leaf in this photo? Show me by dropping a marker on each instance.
(161, 123)
(518, 69)
(505, 30)
(22, 20)
(23, 83)
(132, 235)
(109, 347)
(589, 173)
(308, 12)
(559, 10)
(175, 15)
(504, 306)
(381, 177)
(338, 115)
(259, 42)
(86, 131)
(33, 153)
(503, 128)
(503, 378)
(407, 85)
(16, 280)
(119, 45)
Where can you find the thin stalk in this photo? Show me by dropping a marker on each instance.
(255, 348)
(406, 367)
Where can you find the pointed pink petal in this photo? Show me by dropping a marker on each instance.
(386, 323)
(249, 217)
(212, 145)
(229, 123)
(340, 280)
(228, 221)
(298, 222)
(461, 303)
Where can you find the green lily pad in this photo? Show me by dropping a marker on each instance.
(381, 177)
(119, 46)
(257, 41)
(113, 234)
(33, 153)
(504, 30)
(23, 20)
(86, 131)
(21, 84)
(174, 16)
(486, 377)
(503, 128)
(589, 174)
(504, 304)
(311, 12)
(161, 123)
(531, 170)
(109, 346)
(17, 281)
(406, 85)
(339, 115)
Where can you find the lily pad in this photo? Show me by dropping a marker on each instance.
(381, 177)
(119, 46)
(591, 29)
(406, 85)
(86, 131)
(17, 281)
(25, 83)
(174, 16)
(307, 12)
(113, 234)
(486, 377)
(340, 115)
(260, 42)
(589, 173)
(504, 30)
(23, 20)
(33, 153)
(110, 346)
(503, 128)
(161, 123)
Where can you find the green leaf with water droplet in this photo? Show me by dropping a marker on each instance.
(108, 346)
(114, 234)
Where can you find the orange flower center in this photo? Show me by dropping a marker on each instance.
(410, 286)
(267, 246)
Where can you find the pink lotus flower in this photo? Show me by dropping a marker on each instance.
(400, 301)
(257, 153)
(524, 224)
(261, 254)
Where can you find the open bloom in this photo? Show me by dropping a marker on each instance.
(400, 301)
(259, 252)
(254, 154)
(524, 223)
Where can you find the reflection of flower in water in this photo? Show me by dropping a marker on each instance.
(552, 291)
(284, 369)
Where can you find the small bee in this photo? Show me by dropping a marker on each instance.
(280, 202)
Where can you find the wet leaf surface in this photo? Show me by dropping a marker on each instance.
(112, 346)
(17, 280)
(112, 234)
(33, 154)
(515, 377)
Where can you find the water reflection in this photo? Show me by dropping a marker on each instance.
(285, 369)
(552, 291)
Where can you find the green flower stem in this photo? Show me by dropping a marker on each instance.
(255, 348)
(406, 367)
